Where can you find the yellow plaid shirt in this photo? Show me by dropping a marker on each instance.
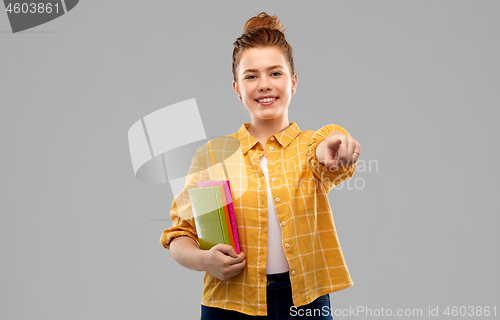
(299, 186)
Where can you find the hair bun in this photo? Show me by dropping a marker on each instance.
(263, 20)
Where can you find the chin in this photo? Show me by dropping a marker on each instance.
(269, 116)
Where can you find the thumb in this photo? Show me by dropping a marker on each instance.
(334, 143)
(332, 150)
(331, 153)
(227, 249)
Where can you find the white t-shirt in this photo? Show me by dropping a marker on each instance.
(276, 258)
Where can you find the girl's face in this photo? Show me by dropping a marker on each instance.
(264, 73)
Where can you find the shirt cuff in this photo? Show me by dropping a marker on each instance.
(167, 237)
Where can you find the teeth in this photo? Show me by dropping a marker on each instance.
(267, 100)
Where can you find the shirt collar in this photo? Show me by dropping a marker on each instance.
(284, 137)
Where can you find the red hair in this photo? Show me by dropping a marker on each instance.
(262, 31)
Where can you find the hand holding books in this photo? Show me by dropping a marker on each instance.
(222, 262)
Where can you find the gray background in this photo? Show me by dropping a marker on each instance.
(415, 82)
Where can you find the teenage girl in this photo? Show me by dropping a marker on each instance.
(290, 256)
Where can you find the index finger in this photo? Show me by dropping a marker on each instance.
(342, 152)
(227, 249)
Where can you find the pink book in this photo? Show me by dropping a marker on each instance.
(229, 198)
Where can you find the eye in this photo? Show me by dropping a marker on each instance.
(277, 72)
(248, 77)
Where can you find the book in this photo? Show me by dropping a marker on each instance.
(228, 220)
(232, 226)
(209, 216)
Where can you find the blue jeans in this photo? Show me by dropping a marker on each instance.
(279, 304)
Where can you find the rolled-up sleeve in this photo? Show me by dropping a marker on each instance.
(181, 213)
(328, 177)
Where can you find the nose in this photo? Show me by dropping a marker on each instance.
(264, 84)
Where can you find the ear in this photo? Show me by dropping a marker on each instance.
(236, 89)
(294, 82)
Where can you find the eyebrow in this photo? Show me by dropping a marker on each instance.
(270, 68)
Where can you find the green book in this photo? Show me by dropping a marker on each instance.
(209, 216)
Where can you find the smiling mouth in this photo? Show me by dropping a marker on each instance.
(267, 100)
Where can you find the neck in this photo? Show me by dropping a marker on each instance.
(261, 129)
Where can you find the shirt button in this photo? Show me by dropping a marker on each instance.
(272, 164)
(270, 148)
(293, 272)
(283, 223)
(287, 245)
(272, 138)
(272, 179)
(277, 199)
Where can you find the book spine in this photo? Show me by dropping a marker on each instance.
(232, 218)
